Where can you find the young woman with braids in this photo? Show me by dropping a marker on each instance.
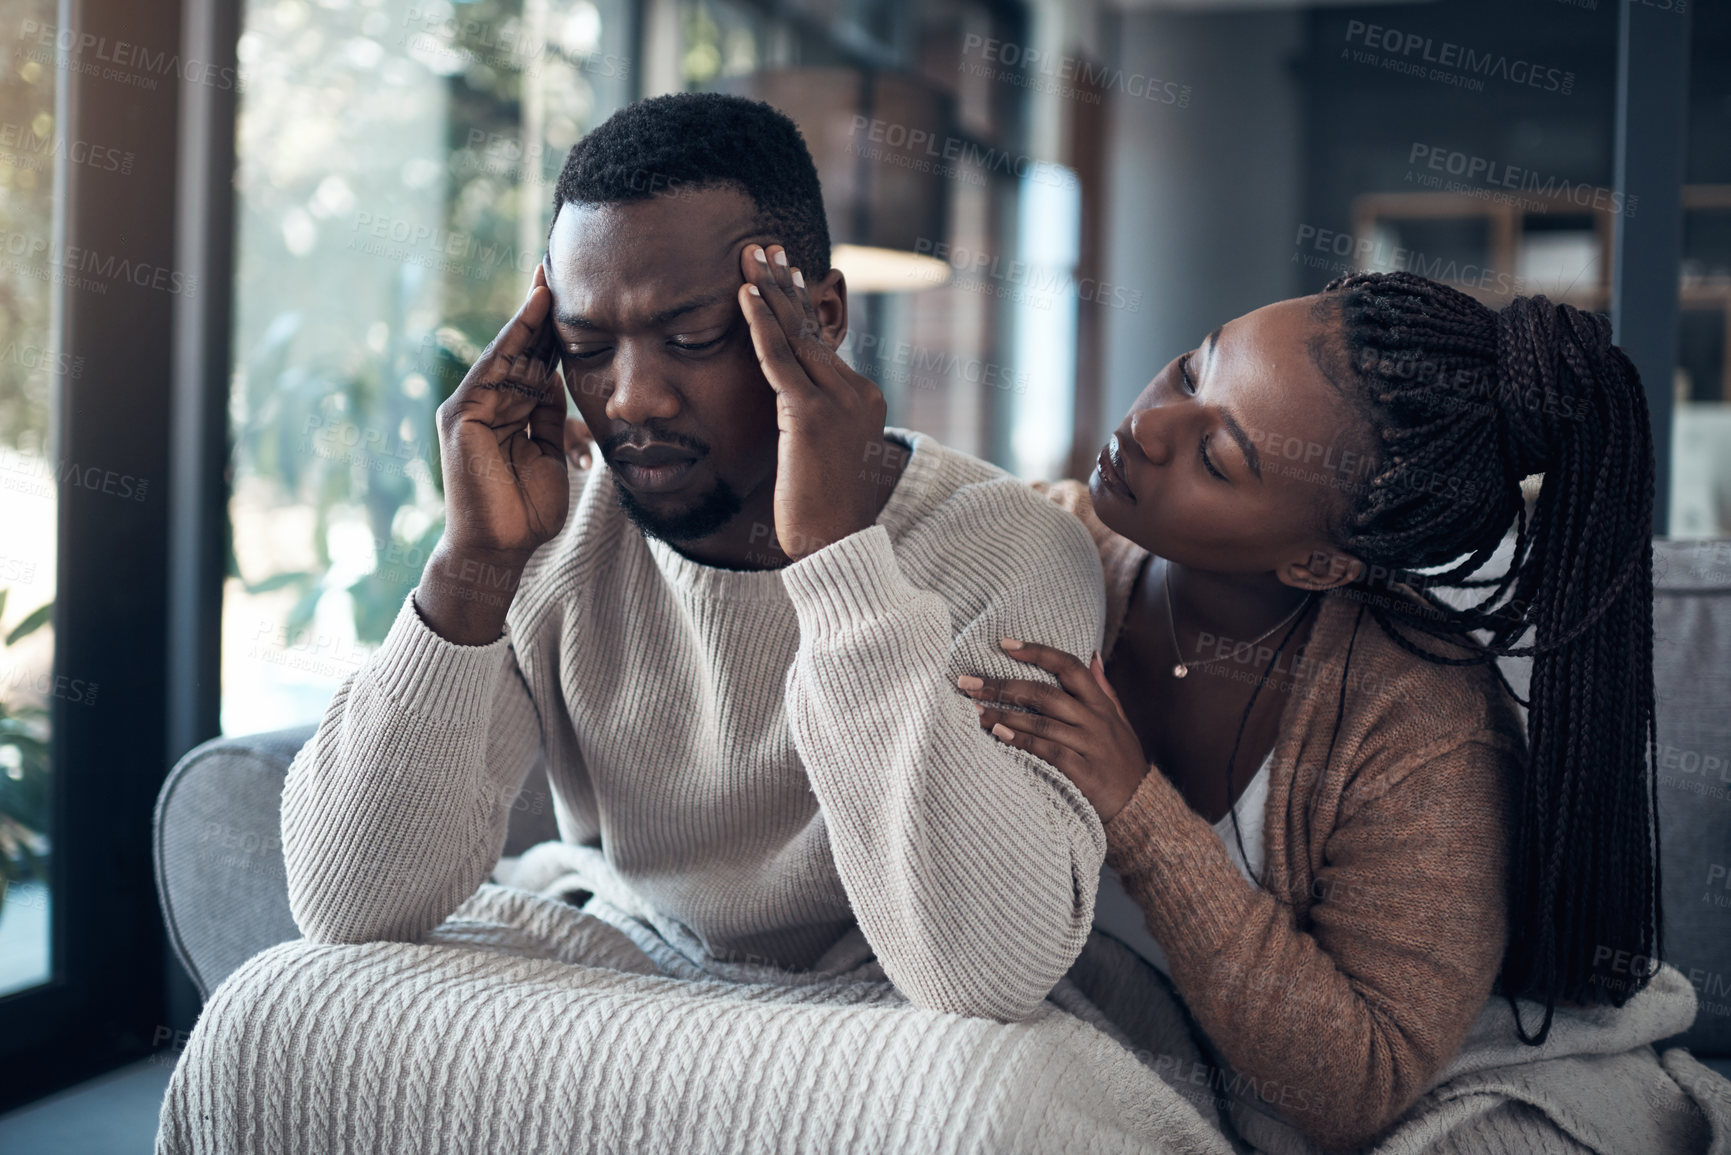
(1272, 517)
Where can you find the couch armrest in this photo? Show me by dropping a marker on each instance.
(217, 840)
(217, 845)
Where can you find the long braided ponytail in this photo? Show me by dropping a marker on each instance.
(1465, 402)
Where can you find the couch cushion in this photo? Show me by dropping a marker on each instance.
(1692, 684)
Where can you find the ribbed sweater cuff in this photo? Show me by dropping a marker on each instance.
(1175, 868)
(847, 583)
(424, 673)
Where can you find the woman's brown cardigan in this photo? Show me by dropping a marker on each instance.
(1344, 1005)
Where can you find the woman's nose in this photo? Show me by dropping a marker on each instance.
(1153, 431)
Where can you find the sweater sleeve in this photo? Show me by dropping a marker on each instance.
(1342, 1021)
(970, 865)
(397, 809)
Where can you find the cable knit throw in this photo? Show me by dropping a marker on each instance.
(523, 1026)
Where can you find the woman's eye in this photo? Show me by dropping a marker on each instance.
(1207, 462)
(1184, 374)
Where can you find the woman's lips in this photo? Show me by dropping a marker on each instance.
(1111, 471)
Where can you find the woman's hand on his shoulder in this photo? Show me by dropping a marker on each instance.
(1077, 726)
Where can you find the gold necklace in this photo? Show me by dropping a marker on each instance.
(1183, 668)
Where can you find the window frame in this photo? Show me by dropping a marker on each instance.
(105, 1003)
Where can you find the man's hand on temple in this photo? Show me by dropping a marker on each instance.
(503, 457)
(828, 415)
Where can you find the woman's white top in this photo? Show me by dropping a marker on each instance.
(1116, 913)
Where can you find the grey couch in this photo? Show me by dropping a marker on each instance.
(220, 877)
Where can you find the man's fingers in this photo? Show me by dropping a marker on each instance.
(532, 376)
(523, 331)
(808, 311)
(520, 358)
(513, 375)
(546, 348)
(536, 362)
(825, 364)
(547, 419)
(790, 305)
(768, 272)
(774, 356)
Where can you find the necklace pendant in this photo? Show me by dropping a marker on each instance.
(1180, 670)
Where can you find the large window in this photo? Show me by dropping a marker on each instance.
(395, 170)
(395, 165)
(31, 369)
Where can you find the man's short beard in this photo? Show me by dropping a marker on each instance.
(720, 506)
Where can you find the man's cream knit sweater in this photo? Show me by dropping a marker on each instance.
(764, 758)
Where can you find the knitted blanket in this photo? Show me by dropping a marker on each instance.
(525, 1025)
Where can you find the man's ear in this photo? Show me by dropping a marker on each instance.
(829, 298)
(1323, 569)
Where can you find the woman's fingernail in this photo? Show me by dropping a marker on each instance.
(980, 709)
(1010, 643)
(1003, 732)
(781, 257)
(969, 682)
(798, 280)
(761, 259)
(752, 289)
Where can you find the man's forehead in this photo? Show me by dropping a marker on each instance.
(642, 305)
(639, 259)
(685, 225)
